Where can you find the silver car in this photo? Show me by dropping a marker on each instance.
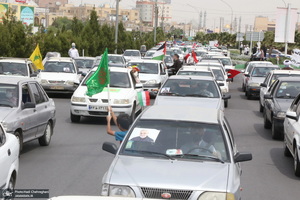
(180, 152)
(26, 111)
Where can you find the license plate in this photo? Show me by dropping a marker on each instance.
(56, 87)
(100, 108)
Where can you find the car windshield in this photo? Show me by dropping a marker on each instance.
(16, 69)
(64, 67)
(170, 53)
(276, 76)
(117, 79)
(149, 53)
(167, 139)
(195, 73)
(226, 61)
(168, 59)
(190, 88)
(200, 53)
(115, 60)
(218, 74)
(177, 51)
(132, 53)
(146, 68)
(288, 90)
(9, 95)
(261, 71)
(84, 63)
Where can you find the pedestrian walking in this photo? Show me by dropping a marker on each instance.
(241, 48)
(73, 52)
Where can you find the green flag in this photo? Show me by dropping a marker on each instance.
(99, 80)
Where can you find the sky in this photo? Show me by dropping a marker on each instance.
(187, 10)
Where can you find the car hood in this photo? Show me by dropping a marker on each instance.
(283, 104)
(191, 101)
(61, 76)
(115, 93)
(256, 79)
(170, 174)
(147, 77)
(4, 112)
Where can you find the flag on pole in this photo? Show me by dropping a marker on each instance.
(36, 58)
(160, 52)
(100, 79)
(144, 98)
(233, 73)
(195, 57)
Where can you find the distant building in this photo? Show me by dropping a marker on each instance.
(50, 3)
(262, 23)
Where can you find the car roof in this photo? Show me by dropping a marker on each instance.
(280, 71)
(84, 58)
(181, 113)
(60, 59)
(145, 61)
(132, 50)
(261, 62)
(15, 60)
(268, 66)
(193, 68)
(208, 64)
(119, 55)
(14, 80)
(289, 79)
(114, 69)
(185, 77)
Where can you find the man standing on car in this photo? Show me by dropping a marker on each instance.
(73, 52)
(177, 64)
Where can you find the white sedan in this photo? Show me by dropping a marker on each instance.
(9, 160)
(123, 97)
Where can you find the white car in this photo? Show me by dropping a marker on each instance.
(132, 54)
(149, 54)
(195, 71)
(226, 61)
(271, 77)
(93, 198)
(153, 73)
(221, 78)
(17, 67)
(60, 75)
(123, 97)
(9, 160)
(292, 134)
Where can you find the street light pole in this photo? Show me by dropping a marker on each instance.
(156, 20)
(231, 14)
(117, 26)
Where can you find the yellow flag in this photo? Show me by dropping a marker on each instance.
(37, 59)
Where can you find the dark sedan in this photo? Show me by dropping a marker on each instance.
(277, 100)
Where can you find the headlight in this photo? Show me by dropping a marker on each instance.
(44, 81)
(120, 191)
(254, 84)
(216, 196)
(78, 99)
(151, 82)
(280, 114)
(121, 101)
(70, 82)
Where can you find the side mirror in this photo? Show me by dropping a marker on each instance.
(229, 79)
(138, 86)
(242, 157)
(79, 72)
(291, 115)
(226, 96)
(163, 73)
(33, 75)
(243, 71)
(29, 105)
(268, 96)
(110, 147)
(263, 85)
(221, 84)
(247, 75)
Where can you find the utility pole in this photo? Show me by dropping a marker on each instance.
(287, 23)
(204, 21)
(200, 23)
(156, 20)
(117, 26)
(251, 38)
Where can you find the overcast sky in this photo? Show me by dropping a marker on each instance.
(182, 12)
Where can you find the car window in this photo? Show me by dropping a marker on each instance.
(190, 88)
(42, 92)
(145, 68)
(2, 137)
(84, 63)
(276, 76)
(168, 59)
(37, 96)
(131, 53)
(176, 137)
(273, 87)
(218, 75)
(195, 73)
(65, 67)
(26, 96)
(261, 71)
(266, 81)
(288, 90)
(149, 53)
(16, 69)
(9, 95)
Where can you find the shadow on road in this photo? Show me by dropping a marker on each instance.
(258, 114)
(284, 164)
(264, 133)
(30, 146)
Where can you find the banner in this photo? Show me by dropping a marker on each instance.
(3, 10)
(27, 15)
(281, 21)
(295, 58)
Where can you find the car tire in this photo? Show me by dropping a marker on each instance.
(243, 87)
(75, 118)
(133, 114)
(20, 139)
(261, 108)
(11, 184)
(267, 123)
(286, 151)
(296, 163)
(276, 135)
(46, 138)
(226, 103)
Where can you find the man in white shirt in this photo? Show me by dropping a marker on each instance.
(73, 52)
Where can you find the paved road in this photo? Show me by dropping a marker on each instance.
(74, 163)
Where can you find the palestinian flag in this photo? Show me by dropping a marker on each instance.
(160, 52)
(144, 98)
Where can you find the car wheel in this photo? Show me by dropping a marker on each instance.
(267, 123)
(276, 134)
(261, 108)
(20, 139)
(296, 163)
(132, 116)
(243, 88)
(226, 103)
(287, 152)
(75, 118)
(46, 138)
(11, 185)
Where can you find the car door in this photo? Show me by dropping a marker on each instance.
(5, 160)
(269, 103)
(163, 73)
(28, 115)
(294, 125)
(263, 90)
(42, 110)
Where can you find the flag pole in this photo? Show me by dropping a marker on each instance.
(108, 93)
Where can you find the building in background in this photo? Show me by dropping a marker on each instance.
(262, 23)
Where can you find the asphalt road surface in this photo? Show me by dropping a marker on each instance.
(74, 163)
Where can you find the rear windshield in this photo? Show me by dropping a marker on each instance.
(65, 67)
(16, 69)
